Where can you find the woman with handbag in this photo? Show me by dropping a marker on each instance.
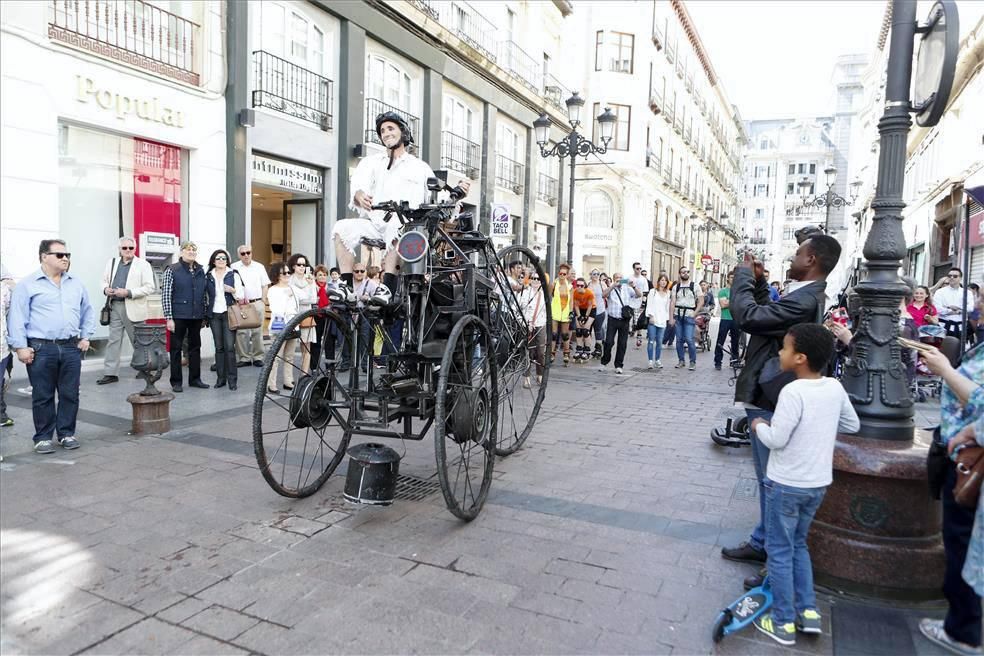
(283, 307)
(223, 292)
(302, 282)
(961, 407)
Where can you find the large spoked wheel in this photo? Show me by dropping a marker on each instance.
(522, 325)
(465, 416)
(300, 434)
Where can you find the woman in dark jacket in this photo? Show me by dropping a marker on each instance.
(223, 290)
(183, 301)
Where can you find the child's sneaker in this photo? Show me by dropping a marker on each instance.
(6, 421)
(784, 634)
(808, 622)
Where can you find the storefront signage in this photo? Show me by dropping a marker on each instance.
(976, 230)
(147, 109)
(501, 221)
(596, 236)
(277, 173)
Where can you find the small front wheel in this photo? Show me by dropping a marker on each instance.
(465, 416)
(723, 620)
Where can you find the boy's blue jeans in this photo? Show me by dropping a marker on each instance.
(790, 513)
(654, 342)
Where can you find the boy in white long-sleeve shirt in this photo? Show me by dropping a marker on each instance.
(810, 412)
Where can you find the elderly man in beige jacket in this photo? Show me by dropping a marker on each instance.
(127, 282)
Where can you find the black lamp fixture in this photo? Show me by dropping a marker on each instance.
(829, 198)
(573, 145)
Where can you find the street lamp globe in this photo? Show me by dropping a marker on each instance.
(574, 106)
(831, 173)
(855, 188)
(606, 125)
(541, 127)
(804, 187)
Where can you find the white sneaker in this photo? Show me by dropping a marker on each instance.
(618, 370)
(602, 368)
(934, 631)
(650, 364)
(659, 365)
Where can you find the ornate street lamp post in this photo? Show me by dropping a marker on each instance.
(573, 145)
(830, 198)
(878, 531)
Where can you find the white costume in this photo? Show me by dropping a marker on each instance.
(406, 180)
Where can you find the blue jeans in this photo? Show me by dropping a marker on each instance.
(791, 511)
(760, 457)
(56, 368)
(685, 327)
(654, 341)
(599, 326)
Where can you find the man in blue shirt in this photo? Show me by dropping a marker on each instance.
(773, 288)
(49, 326)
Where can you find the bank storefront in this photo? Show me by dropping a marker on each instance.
(94, 150)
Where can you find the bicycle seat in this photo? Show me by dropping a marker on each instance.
(373, 243)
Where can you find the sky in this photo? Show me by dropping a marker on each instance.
(776, 57)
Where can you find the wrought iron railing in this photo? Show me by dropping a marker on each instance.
(376, 107)
(668, 175)
(129, 31)
(520, 65)
(546, 189)
(669, 112)
(470, 26)
(460, 154)
(653, 160)
(291, 89)
(658, 38)
(509, 173)
(671, 52)
(555, 93)
(427, 7)
(655, 100)
(677, 183)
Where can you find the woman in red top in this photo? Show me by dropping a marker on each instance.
(321, 322)
(584, 318)
(921, 309)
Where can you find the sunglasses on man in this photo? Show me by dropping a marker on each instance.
(60, 256)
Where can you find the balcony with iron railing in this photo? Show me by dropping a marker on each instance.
(689, 83)
(669, 112)
(470, 26)
(653, 160)
(677, 183)
(668, 176)
(291, 89)
(428, 7)
(655, 100)
(547, 189)
(671, 52)
(509, 174)
(460, 154)
(758, 240)
(555, 93)
(686, 189)
(374, 108)
(520, 65)
(131, 32)
(678, 123)
(658, 38)
(680, 72)
(688, 134)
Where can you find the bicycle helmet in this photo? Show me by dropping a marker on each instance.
(393, 117)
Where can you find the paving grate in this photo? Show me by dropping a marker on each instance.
(411, 488)
(746, 489)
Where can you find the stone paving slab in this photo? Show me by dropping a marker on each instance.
(601, 536)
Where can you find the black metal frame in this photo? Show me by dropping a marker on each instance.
(291, 89)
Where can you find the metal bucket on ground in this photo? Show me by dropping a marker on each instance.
(372, 473)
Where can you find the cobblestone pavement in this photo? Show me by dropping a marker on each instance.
(601, 536)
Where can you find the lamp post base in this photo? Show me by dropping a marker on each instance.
(151, 414)
(877, 533)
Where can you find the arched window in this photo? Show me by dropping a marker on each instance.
(599, 211)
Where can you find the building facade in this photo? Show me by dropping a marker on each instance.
(113, 124)
(941, 162)
(666, 192)
(470, 80)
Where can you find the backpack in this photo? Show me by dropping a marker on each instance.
(693, 295)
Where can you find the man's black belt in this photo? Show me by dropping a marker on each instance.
(254, 300)
(58, 342)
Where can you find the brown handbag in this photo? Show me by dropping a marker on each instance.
(970, 474)
(243, 316)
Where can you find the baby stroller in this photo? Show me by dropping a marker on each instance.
(702, 332)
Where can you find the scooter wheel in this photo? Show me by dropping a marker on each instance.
(741, 425)
(723, 620)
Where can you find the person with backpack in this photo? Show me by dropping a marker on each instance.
(620, 314)
(766, 322)
(686, 304)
